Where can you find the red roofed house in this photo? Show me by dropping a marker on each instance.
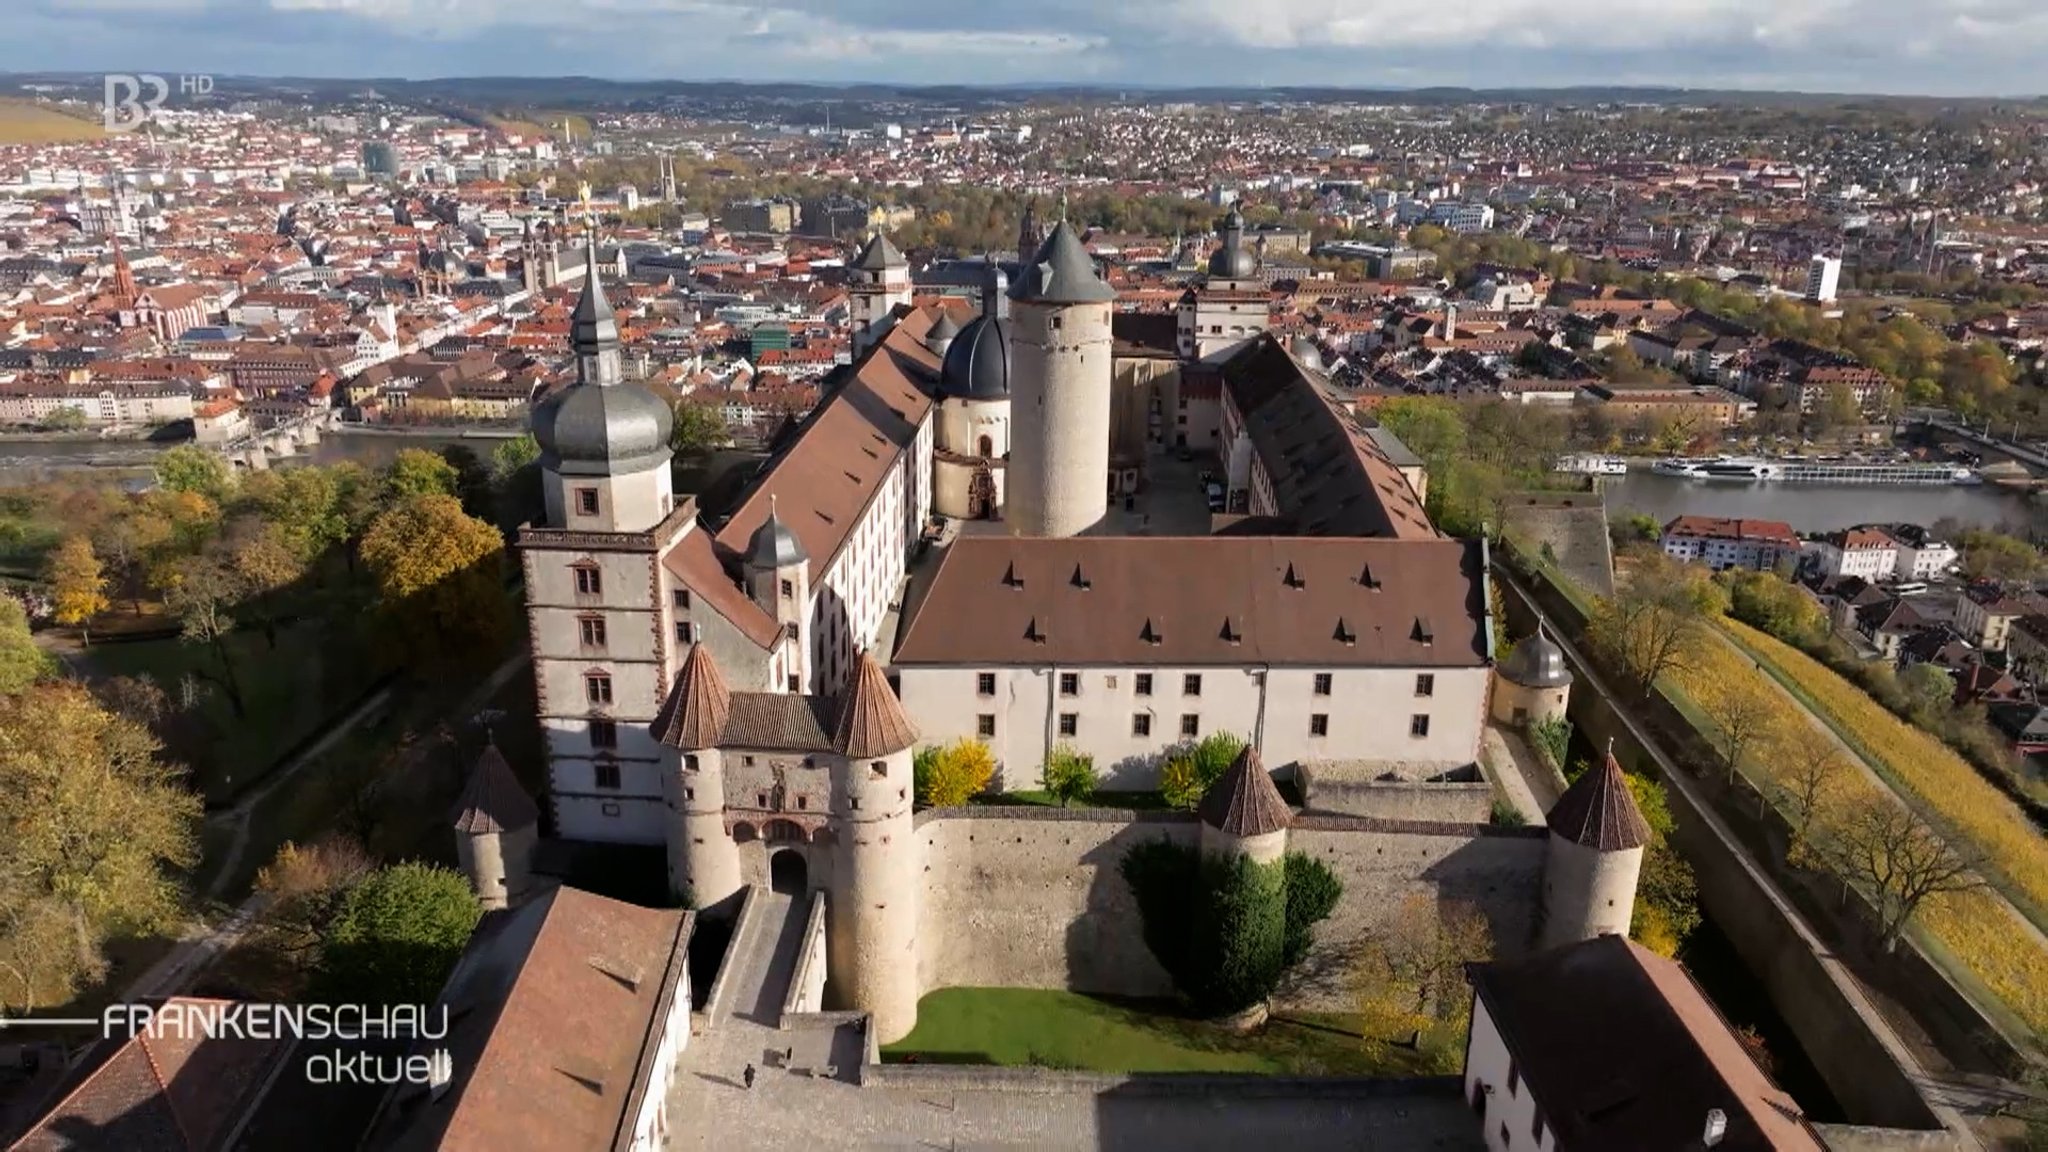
(1720, 542)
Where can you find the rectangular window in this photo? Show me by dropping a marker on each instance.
(604, 734)
(1141, 724)
(589, 582)
(690, 762)
(1070, 683)
(607, 774)
(985, 684)
(985, 726)
(1319, 724)
(1425, 684)
(1144, 683)
(592, 630)
(788, 589)
(681, 597)
(1191, 684)
(684, 633)
(598, 687)
(586, 501)
(878, 768)
(1070, 723)
(1418, 726)
(1190, 724)
(1324, 682)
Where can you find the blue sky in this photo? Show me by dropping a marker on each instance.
(1945, 47)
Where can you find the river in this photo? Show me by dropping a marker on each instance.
(29, 461)
(1822, 507)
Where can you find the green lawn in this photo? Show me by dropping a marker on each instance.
(289, 691)
(1068, 1030)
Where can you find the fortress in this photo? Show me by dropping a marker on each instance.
(749, 694)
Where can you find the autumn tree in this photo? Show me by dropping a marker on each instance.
(128, 539)
(1882, 848)
(202, 592)
(440, 579)
(22, 663)
(1412, 970)
(1986, 555)
(1070, 775)
(1743, 714)
(303, 887)
(957, 772)
(303, 508)
(512, 455)
(265, 564)
(78, 586)
(190, 468)
(418, 472)
(93, 828)
(1188, 769)
(1812, 770)
(1762, 600)
(1653, 623)
(698, 429)
(358, 498)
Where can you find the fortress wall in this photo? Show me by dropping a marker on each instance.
(1032, 897)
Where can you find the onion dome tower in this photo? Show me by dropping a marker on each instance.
(604, 443)
(1532, 685)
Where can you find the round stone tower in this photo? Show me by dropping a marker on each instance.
(1597, 836)
(1242, 812)
(495, 826)
(878, 878)
(1532, 685)
(1059, 444)
(702, 858)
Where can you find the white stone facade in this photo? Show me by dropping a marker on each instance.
(1509, 1117)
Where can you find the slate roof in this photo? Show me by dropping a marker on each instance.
(1537, 662)
(492, 800)
(879, 254)
(1622, 1052)
(1061, 273)
(1243, 801)
(1599, 812)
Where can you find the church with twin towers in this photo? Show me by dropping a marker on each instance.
(746, 687)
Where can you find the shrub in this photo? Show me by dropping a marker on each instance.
(1224, 927)
(1180, 782)
(397, 935)
(1552, 737)
(959, 771)
(1190, 768)
(1506, 815)
(1070, 775)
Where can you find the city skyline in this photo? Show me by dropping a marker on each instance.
(1904, 47)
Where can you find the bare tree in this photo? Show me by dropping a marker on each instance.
(1743, 713)
(1814, 767)
(1900, 861)
(1653, 625)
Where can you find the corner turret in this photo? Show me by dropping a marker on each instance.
(1532, 685)
(1595, 855)
(1242, 813)
(703, 860)
(495, 826)
(878, 878)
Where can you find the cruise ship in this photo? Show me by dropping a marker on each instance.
(1590, 465)
(1822, 470)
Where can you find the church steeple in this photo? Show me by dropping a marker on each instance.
(1030, 234)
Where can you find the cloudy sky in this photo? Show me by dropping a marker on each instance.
(1946, 47)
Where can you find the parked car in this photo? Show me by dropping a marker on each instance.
(1215, 497)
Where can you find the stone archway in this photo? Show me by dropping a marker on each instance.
(789, 872)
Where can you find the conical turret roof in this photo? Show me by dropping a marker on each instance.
(1243, 801)
(492, 800)
(1599, 812)
(695, 712)
(592, 326)
(1061, 273)
(871, 719)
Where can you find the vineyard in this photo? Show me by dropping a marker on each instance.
(1963, 804)
(1973, 928)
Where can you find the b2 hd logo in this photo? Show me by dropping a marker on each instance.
(133, 98)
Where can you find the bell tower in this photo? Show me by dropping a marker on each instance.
(880, 280)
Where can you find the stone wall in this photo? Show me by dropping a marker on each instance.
(807, 983)
(1351, 794)
(1032, 897)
